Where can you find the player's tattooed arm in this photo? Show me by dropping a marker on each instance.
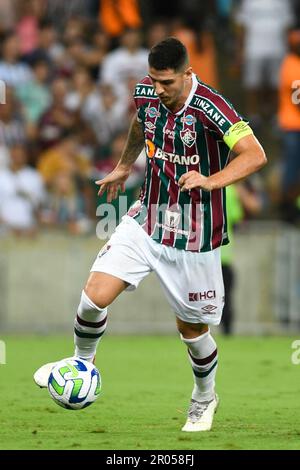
(134, 145)
(115, 181)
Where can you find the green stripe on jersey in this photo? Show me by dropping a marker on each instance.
(206, 195)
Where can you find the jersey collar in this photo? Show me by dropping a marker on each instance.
(189, 98)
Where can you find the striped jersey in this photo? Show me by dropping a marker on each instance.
(175, 143)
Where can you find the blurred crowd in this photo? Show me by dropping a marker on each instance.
(69, 70)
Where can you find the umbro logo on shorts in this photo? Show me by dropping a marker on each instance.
(209, 308)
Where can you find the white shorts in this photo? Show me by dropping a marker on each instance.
(191, 281)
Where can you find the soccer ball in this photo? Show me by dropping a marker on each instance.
(74, 383)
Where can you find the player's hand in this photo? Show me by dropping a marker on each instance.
(193, 179)
(113, 182)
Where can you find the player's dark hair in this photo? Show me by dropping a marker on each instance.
(168, 54)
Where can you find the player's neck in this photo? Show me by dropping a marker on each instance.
(176, 107)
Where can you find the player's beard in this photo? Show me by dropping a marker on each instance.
(174, 103)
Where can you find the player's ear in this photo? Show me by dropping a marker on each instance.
(188, 73)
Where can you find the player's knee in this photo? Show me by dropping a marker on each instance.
(97, 295)
(87, 309)
(191, 330)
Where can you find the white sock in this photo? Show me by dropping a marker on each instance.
(203, 355)
(90, 324)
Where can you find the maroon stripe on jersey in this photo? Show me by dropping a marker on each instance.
(216, 194)
(143, 188)
(153, 197)
(168, 144)
(219, 102)
(169, 170)
(91, 324)
(205, 360)
(195, 233)
(146, 80)
(141, 101)
(195, 228)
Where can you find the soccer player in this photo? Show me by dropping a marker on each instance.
(178, 224)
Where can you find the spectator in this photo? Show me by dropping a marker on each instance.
(262, 27)
(128, 61)
(157, 31)
(201, 47)
(12, 129)
(27, 26)
(289, 120)
(98, 107)
(111, 116)
(90, 55)
(35, 96)
(48, 48)
(57, 119)
(12, 70)
(100, 48)
(66, 174)
(83, 100)
(7, 15)
(21, 194)
(74, 30)
(60, 11)
(224, 30)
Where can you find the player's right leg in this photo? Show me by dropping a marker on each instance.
(91, 320)
(121, 264)
(90, 323)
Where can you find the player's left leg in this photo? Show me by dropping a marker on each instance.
(203, 356)
(194, 287)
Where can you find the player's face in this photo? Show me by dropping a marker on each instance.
(171, 87)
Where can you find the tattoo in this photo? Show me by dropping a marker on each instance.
(135, 143)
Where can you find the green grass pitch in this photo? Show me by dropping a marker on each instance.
(147, 383)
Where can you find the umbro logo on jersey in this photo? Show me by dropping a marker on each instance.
(188, 137)
(150, 126)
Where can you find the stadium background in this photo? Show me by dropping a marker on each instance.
(68, 103)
